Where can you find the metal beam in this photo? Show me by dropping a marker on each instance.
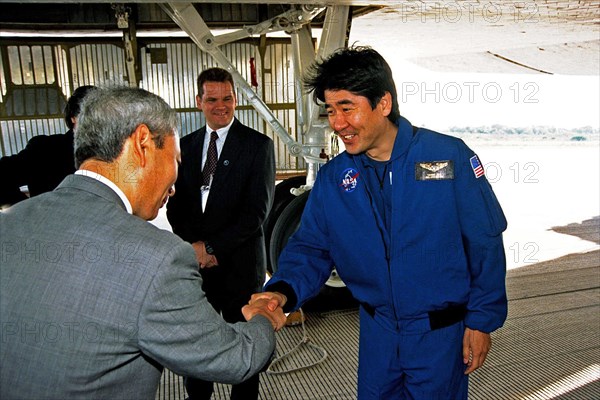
(188, 18)
(314, 128)
(320, 3)
(291, 20)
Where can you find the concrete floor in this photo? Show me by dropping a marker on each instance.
(549, 347)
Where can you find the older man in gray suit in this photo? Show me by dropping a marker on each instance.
(94, 300)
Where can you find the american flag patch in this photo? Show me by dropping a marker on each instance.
(477, 167)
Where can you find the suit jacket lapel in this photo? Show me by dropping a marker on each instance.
(195, 154)
(227, 162)
(229, 154)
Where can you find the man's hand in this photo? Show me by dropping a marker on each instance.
(204, 259)
(261, 307)
(275, 299)
(476, 345)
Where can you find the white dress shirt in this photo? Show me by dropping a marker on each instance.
(110, 184)
(222, 134)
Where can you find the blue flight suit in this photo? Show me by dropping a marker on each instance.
(418, 241)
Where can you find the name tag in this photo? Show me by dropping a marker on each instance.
(434, 170)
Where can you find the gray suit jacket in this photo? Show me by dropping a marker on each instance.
(94, 301)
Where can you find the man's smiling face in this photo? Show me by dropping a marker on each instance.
(351, 116)
(218, 103)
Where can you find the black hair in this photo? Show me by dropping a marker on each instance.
(73, 106)
(359, 70)
(214, 75)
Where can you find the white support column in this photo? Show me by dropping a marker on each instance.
(129, 60)
(317, 137)
(303, 55)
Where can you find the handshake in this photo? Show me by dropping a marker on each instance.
(269, 305)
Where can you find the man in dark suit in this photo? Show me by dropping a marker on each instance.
(44, 162)
(221, 211)
(94, 300)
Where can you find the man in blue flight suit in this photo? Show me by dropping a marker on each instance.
(409, 220)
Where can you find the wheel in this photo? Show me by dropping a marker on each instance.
(282, 198)
(287, 223)
(334, 295)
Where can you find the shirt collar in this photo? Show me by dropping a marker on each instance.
(221, 132)
(110, 184)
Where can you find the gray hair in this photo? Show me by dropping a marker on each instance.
(110, 115)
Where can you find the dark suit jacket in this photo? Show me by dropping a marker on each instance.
(41, 165)
(239, 201)
(93, 301)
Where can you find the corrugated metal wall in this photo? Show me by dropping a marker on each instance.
(168, 69)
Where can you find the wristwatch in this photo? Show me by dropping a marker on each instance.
(209, 248)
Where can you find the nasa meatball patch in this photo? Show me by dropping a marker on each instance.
(349, 180)
(434, 170)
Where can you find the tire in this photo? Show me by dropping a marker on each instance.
(282, 198)
(334, 295)
(288, 223)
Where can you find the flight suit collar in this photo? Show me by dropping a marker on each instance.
(403, 138)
